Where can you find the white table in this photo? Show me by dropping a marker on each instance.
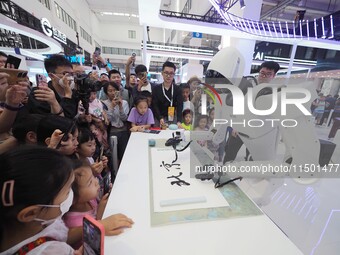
(130, 196)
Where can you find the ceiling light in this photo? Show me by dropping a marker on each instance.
(242, 4)
(106, 13)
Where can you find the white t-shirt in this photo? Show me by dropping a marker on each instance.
(56, 230)
(146, 87)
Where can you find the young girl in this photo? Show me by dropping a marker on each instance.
(65, 129)
(86, 189)
(201, 125)
(96, 109)
(36, 191)
(211, 118)
(187, 119)
(141, 117)
(100, 135)
(85, 150)
(86, 145)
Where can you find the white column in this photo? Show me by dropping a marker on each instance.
(292, 57)
(252, 11)
(144, 53)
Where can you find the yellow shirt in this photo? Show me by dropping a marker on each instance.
(187, 127)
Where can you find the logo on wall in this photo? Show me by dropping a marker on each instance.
(258, 56)
(52, 31)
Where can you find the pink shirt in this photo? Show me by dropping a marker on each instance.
(75, 219)
(96, 109)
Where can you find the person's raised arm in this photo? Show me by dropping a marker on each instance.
(100, 59)
(127, 70)
(15, 94)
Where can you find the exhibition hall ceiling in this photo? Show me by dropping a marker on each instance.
(275, 10)
(285, 10)
(115, 10)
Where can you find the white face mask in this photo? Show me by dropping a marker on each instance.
(70, 80)
(64, 207)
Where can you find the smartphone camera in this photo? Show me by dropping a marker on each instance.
(117, 96)
(97, 51)
(93, 236)
(133, 55)
(41, 80)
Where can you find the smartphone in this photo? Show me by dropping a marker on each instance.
(107, 183)
(14, 61)
(117, 95)
(15, 75)
(145, 76)
(133, 55)
(65, 135)
(97, 51)
(93, 236)
(101, 153)
(152, 131)
(41, 80)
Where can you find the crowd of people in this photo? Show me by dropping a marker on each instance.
(324, 108)
(55, 155)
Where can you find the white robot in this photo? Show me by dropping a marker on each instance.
(261, 133)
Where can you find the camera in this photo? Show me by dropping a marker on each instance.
(85, 85)
(175, 140)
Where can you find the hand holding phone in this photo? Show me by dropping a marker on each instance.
(97, 51)
(117, 95)
(41, 80)
(93, 236)
(66, 134)
(107, 183)
(101, 153)
(15, 75)
(133, 56)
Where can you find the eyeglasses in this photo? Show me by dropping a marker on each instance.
(266, 75)
(67, 73)
(168, 74)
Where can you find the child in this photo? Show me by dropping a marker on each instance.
(141, 117)
(63, 127)
(96, 109)
(86, 189)
(202, 122)
(25, 128)
(201, 125)
(187, 119)
(211, 118)
(86, 150)
(186, 97)
(36, 192)
(100, 135)
(148, 96)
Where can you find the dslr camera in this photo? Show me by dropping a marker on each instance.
(85, 86)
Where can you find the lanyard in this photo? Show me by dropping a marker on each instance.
(172, 93)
